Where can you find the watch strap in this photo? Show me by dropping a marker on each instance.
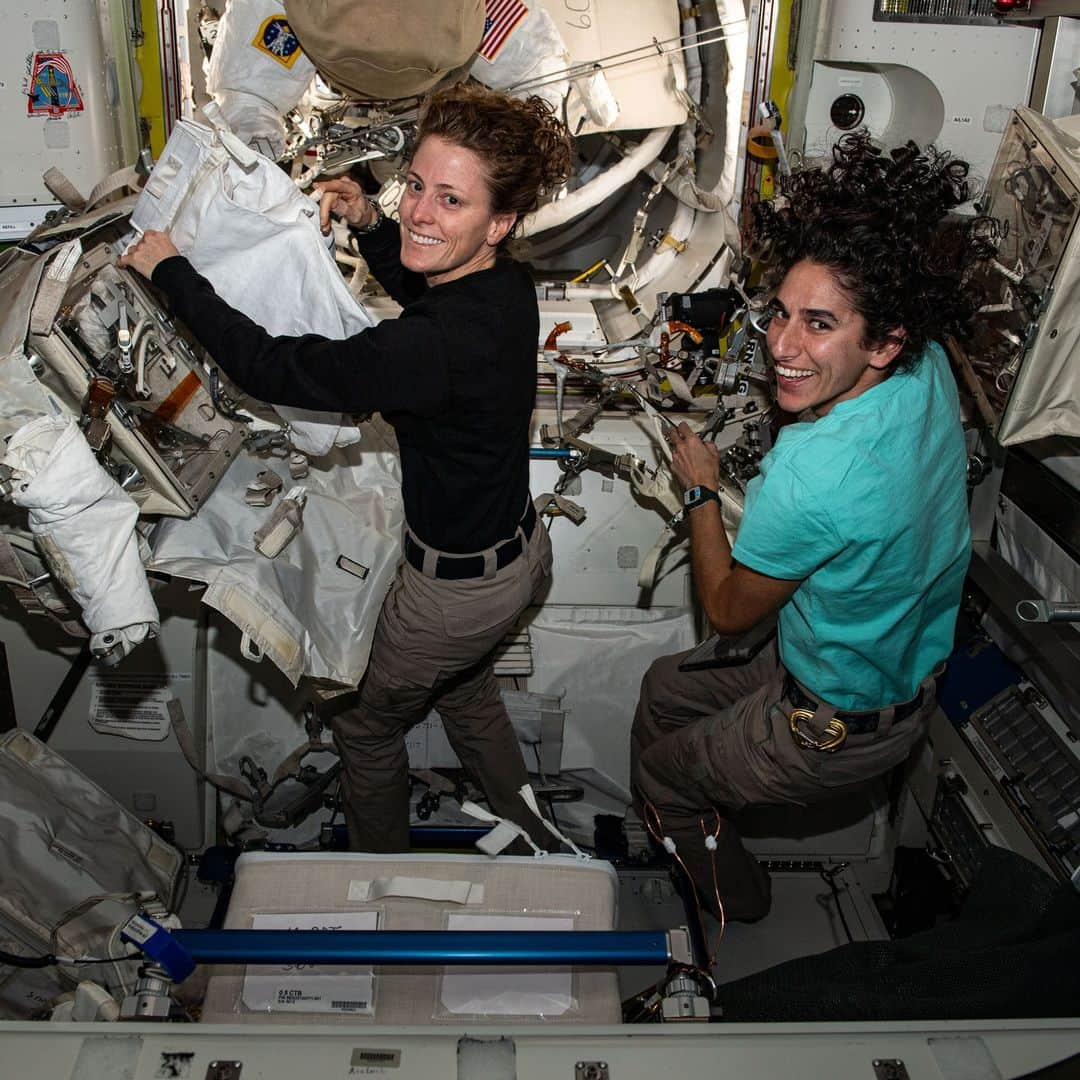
(698, 496)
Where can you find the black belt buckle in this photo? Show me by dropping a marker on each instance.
(464, 567)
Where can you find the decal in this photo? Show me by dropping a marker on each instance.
(50, 86)
(276, 39)
(500, 18)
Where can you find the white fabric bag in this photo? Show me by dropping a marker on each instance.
(248, 229)
(84, 523)
(307, 611)
(62, 841)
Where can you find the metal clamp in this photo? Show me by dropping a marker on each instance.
(832, 738)
(261, 490)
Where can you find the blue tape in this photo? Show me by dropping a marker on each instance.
(159, 945)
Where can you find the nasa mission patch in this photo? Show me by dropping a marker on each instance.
(276, 39)
(50, 86)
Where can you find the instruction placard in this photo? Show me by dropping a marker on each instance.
(312, 988)
(133, 705)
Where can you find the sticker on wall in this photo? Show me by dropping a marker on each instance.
(50, 86)
(276, 39)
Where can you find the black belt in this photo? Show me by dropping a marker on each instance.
(857, 723)
(460, 567)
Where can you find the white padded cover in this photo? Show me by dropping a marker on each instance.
(297, 883)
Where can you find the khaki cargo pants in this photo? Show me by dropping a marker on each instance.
(707, 743)
(433, 648)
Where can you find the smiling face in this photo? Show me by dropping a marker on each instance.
(818, 343)
(448, 228)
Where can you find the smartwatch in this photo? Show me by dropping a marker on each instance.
(698, 496)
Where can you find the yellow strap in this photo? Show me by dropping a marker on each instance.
(759, 144)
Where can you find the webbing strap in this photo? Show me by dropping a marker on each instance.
(504, 833)
(417, 888)
(32, 602)
(651, 563)
(53, 287)
(529, 797)
(60, 186)
(186, 742)
(11, 567)
(114, 182)
(567, 507)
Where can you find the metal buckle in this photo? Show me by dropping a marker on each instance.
(833, 737)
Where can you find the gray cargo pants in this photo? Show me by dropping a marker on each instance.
(433, 648)
(707, 743)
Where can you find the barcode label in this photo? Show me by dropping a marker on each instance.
(366, 1060)
(309, 988)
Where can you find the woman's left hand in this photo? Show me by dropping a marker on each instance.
(693, 461)
(153, 247)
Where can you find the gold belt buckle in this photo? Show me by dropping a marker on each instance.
(832, 738)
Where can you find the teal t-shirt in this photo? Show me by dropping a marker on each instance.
(868, 506)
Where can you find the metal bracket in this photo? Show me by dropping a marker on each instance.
(224, 1070)
(592, 1070)
(889, 1069)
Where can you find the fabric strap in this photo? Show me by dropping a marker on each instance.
(415, 888)
(53, 287)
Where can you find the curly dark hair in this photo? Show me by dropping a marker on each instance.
(526, 150)
(879, 223)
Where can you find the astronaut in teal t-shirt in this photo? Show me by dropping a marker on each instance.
(855, 532)
(873, 494)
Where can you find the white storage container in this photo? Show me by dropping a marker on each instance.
(357, 891)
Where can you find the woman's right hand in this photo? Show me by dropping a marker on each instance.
(346, 199)
(150, 249)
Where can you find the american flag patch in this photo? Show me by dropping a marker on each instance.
(500, 17)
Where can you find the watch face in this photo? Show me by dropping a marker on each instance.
(691, 495)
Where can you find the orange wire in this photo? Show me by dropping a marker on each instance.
(556, 330)
(685, 328)
(716, 887)
(657, 833)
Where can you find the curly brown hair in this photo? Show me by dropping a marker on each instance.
(879, 222)
(526, 150)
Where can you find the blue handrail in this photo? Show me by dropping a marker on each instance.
(546, 948)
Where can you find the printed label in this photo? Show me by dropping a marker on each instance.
(368, 1062)
(133, 706)
(311, 988)
(139, 930)
(984, 752)
(65, 852)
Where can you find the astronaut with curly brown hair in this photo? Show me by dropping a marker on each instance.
(855, 533)
(455, 375)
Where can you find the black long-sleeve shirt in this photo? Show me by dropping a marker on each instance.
(455, 375)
